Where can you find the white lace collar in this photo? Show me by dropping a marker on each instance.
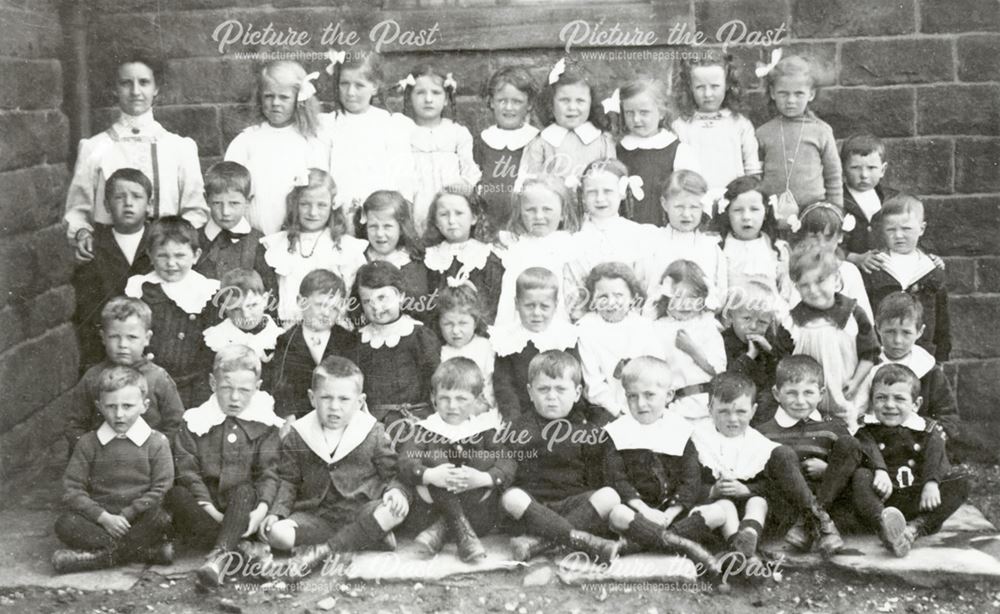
(913, 422)
(227, 333)
(500, 138)
(785, 421)
(660, 140)
(738, 458)
(668, 435)
(311, 431)
(560, 335)
(388, 335)
(398, 257)
(472, 254)
(138, 433)
(212, 229)
(555, 134)
(132, 126)
(201, 419)
(457, 432)
(919, 360)
(190, 294)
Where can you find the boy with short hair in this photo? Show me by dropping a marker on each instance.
(227, 240)
(909, 478)
(244, 300)
(909, 269)
(559, 497)
(125, 332)
(863, 159)
(114, 483)
(119, 253)
(338, 489)
(181, 301)
(827, 452)
(227, 460)
(303, 347)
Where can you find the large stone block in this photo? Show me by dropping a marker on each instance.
(31, 138)
(822, 54)
(978, 59)
(979, 390)
(36, 372)
(987, 275)
(958, 109)
(45, 77)
(32, 198)
(235, 119)
(29, 34)
(16, 269)
(959, 16)
(895, 61)
(977, 165)
(471, 69)
(974, 332)
(712, 16)
(962, 225)
(200, 123)
(961, 275)
(920, 165)
(36, 443)
(853, 111)
(208, 80)
(24, 320)
(843, 18)
(54, 261)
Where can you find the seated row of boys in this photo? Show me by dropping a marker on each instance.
(340, 481)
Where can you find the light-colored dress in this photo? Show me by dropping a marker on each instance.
(479, 351)
(564, 153)
(758, 260)
(701, 248)
(705, 334)
(615, 239)
(553, 252)
(726, 146)
(442, 155)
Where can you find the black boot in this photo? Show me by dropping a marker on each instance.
(604, 550)
(431, 540)
(827, 536)
(652, 535)
(526, 547)
(209, 575)
(307, 559)
(893, 532)
(75, 561)
(470, 549)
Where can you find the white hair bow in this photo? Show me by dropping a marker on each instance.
(634, 183)
(794, 223)
(301, 179)
(335, 57)
(572, 182)
(306, 89)
(557, 71)
(763, 69)
(450, 83)
(408, 81)
(613, 103)
(772, 201)
(722, 204)
(461, 279)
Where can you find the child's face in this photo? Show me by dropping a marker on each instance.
(902, 231)
(122, 407)
(799, 399)
(135, 88)
(128, 205)
(612, 299)
(314, 208)
(571, 105)
(454, 218)
(864, 172)
(456, 405)
(642, 116)
(383, 232)
(510, 107)
(553, 397)
(336, 400)
(732, 418)
(234, 389)
(792, 94)
(708, 86)
(277, 102)
(683, 211)
(746, 215)
(541, 211)
(458, 327)
(428, 98)
(685, 304)
(601, 197)
(648, 398)
(893, 403)
(173, 261)
(818, 288)
(124, 340)
(748, 322)
(381, 305)
(355, 90)
(250, 310)
(536, 307)
(227, 208)
(320, 310)
(899, 336)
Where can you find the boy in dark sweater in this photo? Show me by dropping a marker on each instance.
(909, 477)
(828, 454)
(863, 159)
(114, 483)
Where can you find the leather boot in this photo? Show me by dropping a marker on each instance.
(799, 537)
(209, 575)
(605, 550)
(307, 559)
(829, 539)
(470, 549)
(160, 554)
(255, 551)
(74, 561)
(691, 549)
(431, 540)
(526, 547)
(892, 531)
(745, 541)
(628, 546)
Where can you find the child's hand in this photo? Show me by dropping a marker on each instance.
(469, 478)
(882, 484)
(930, 497)
(255, 520)
(440, 475)
(731, 488)
(265, 526)
(814, 468)
(687, 345)
(938, 262)
(286, 427)
(655, 516)
(760, 343)
(211, 511)
(84, 245)
(397, 503)
(115, 524)
(872, 261)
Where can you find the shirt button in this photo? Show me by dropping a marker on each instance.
(881, 446)
(231, 438)
(911, 463)
(916, 447)
(180, 335)
(192, 317)
(135, 131)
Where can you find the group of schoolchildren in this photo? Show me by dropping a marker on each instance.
(593, 336)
